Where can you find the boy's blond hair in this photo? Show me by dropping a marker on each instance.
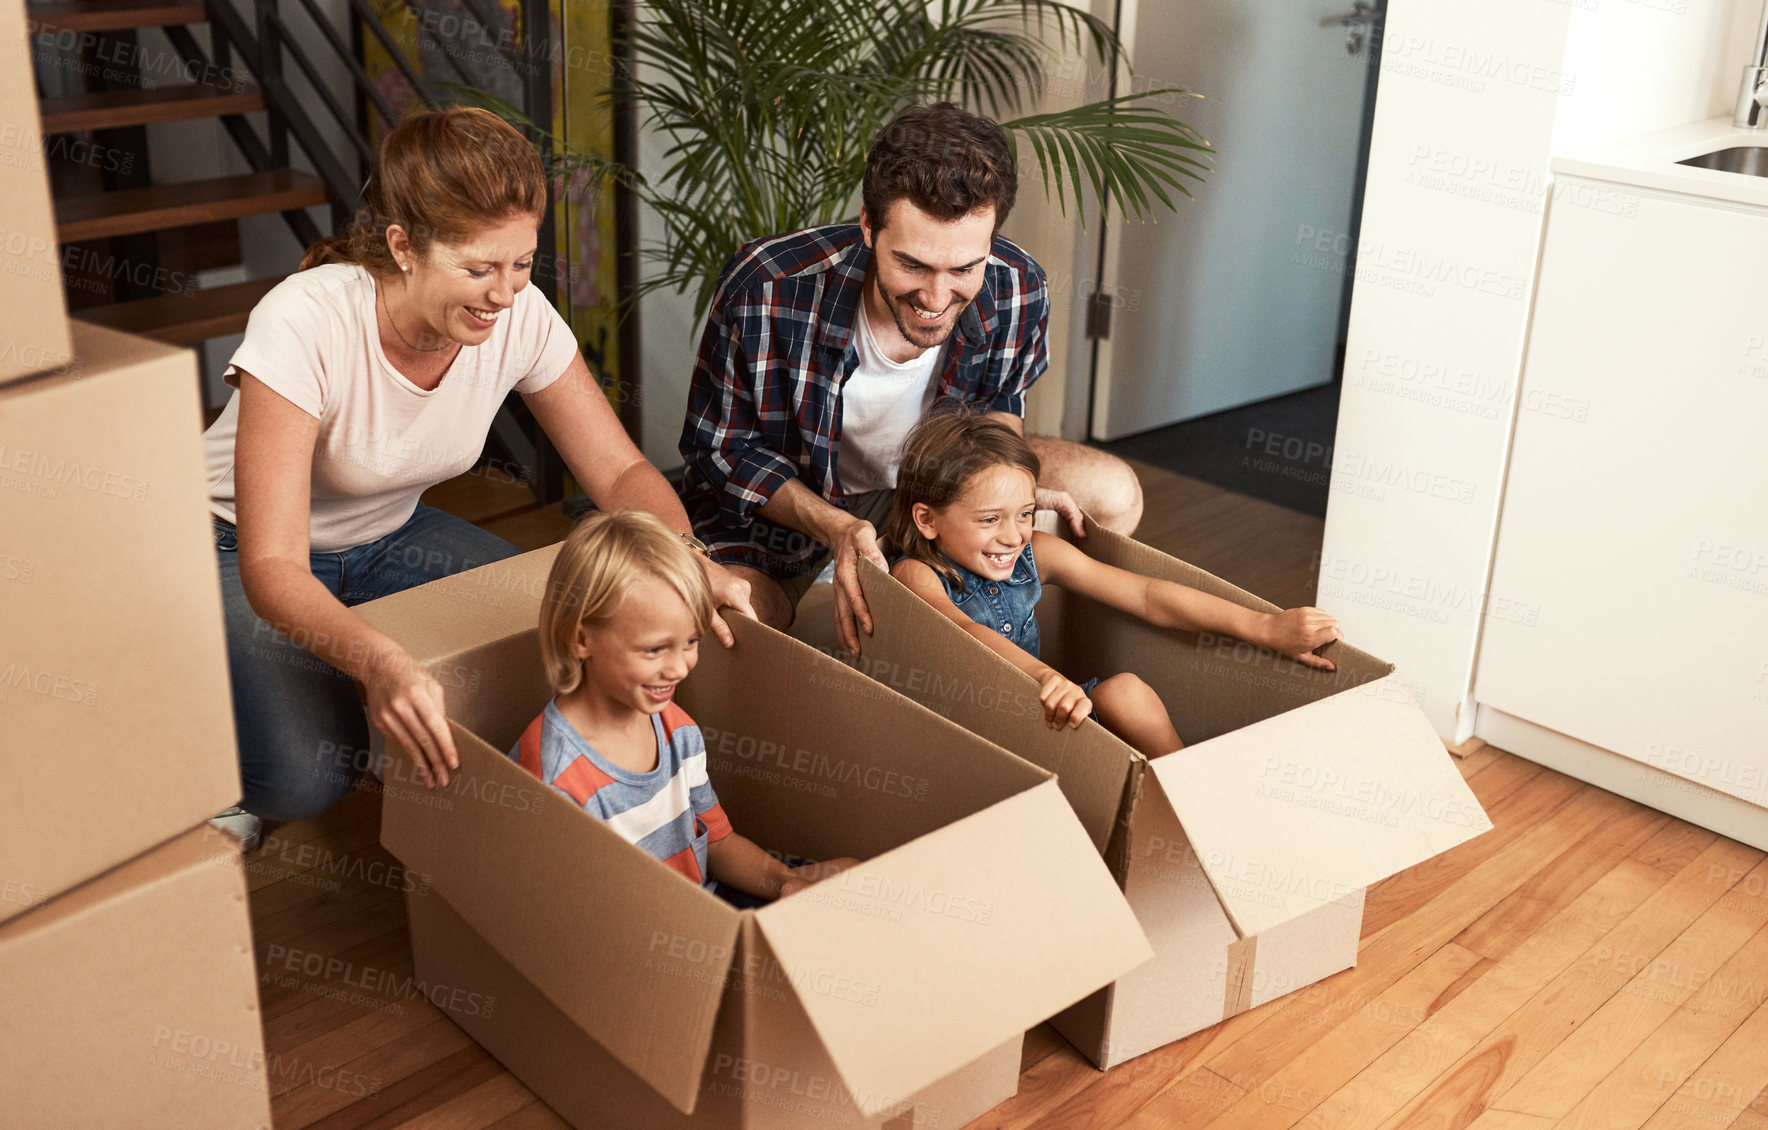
(600, 559)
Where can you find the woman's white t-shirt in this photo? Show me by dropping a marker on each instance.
(382, 440)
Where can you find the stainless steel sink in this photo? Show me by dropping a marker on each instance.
(1751, 160)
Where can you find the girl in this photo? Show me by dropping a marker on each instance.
(961, 521)
(626, 604)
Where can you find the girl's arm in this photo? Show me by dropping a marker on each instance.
(737, 861)
(1295, 632)
(1064, 702)
(574, 413)
(273, 458)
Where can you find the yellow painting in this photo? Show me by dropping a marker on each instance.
(444, 42)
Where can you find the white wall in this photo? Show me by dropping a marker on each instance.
(1473, 99)
(669, 333)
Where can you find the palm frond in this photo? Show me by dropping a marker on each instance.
(765, 110)
(1119, 147)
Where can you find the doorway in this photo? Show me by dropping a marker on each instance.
(1228, 344)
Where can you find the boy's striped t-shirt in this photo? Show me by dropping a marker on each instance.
(671, 812)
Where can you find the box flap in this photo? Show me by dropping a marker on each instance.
(934, 661)
(1297, 811)
(934, 953)
(483, 605)
(820, 761)
(1211, 683)
(634, 954)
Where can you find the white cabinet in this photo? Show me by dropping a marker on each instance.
(1629, 594)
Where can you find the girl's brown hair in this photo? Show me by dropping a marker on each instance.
(600, 559)
(442, 175)
(939, 457)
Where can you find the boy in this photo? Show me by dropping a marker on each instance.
(620, 627)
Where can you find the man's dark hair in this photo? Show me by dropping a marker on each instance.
(944, 160)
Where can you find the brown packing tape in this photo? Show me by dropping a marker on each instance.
(1242, 959)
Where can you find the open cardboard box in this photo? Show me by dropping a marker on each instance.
(894, 994)
(113, 643)
(1246, 854)
(36, 335)
(132, 1000)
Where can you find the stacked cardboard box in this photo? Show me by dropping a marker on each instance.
(36, 337)
(132, 1000)
(1246, 854)
(894, 994)
(125, 954)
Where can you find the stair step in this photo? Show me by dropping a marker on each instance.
(154, 207)
(184, 319)
(108, 109)
(115, 15)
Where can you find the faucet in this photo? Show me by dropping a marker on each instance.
(1752, 92)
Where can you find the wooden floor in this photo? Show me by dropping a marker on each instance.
(1588, 963)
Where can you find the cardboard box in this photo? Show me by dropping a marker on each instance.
(1245, 855)
(116, 726)
(133, 1000)
(894, 994)
(36, 336)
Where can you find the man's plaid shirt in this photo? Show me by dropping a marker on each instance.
(765, 403)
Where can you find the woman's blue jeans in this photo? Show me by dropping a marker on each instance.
(303, 735)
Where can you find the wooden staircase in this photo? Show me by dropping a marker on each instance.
(153, 235)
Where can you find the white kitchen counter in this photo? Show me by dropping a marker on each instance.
(1624, 642)
(1649, 161)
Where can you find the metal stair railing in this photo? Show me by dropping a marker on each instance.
(274, 42)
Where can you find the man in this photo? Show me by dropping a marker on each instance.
(824, 347)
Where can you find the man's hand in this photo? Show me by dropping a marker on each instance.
(853, 541)
(1065, 507)
(728, 591)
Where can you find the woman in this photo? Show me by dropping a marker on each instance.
(364, 379)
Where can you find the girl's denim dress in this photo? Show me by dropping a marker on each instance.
(1009, 606)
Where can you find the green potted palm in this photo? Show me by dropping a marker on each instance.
(766, 109)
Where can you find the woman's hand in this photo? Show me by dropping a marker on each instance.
(728, 591)
(405, 704)
(1065, 704)
(812, 873)
(1297, 632)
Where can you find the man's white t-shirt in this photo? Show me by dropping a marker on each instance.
(880, 402)
(382, 440)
